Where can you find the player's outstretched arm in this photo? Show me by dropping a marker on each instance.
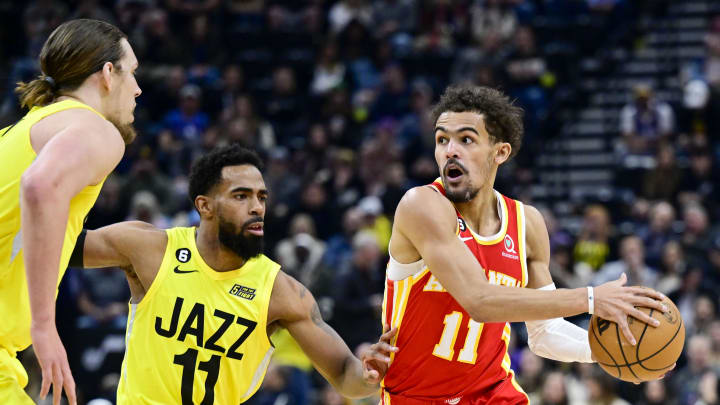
(294, 308)
(425, 223)
(82, 154)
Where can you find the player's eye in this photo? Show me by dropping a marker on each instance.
(467, 140)
(442, 140)
(240, 197)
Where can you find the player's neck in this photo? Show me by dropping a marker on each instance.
(215, 254)
(481, 212)
(85, 96)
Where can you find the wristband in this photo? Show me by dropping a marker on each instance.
(591, 301)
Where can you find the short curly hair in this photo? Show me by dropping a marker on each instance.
(503, 120)
(206, 172)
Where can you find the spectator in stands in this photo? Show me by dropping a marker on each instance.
(358, 295)
(602, 389)
(187, 121)
(664, 180)
(686, 382)
(339, 247)
(655, 392)
(285, 105)
(552, 392)
(390, 17)
(672, 267)
(301, 253)
(329, 70)
(593, 243)
(645, 121)
(345, 11)
(695, 238)
(103, 299)
(632, 263)
(658, 232)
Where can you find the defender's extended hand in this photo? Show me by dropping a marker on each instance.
(376, 359)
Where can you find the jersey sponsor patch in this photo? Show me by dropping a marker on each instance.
(243, 292)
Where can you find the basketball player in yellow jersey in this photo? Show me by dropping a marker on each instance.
(53, 163)
(205, 300)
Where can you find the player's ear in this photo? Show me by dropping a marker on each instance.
(204, 207)
(502, 152)
(106, 73)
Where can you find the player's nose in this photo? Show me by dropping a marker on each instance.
(452, 149)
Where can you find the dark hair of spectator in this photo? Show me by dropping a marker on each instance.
(75, 50)
(206, 172)
(503, 120)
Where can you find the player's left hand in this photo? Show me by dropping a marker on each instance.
(376, 359)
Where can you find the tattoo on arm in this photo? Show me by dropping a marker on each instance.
(318, 320)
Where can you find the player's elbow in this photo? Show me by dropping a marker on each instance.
(35, 188)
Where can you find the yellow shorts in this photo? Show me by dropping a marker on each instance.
(13, 379)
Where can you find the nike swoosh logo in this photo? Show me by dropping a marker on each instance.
(177, 270)
(464, 239)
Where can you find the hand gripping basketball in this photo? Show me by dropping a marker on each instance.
(655, 353)
(615, 302)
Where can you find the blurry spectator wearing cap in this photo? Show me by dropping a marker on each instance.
(693, 114)
(358, 294)
(632, 263)
(375, 221)
(187, 121)
(645, 120)
(345, 11)
(686, 381)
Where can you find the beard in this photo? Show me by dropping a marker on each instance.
(463, 195)
(246, 247)
(127, 131)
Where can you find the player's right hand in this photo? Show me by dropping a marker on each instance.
(615, 302)
(376, 359)
(52, 357)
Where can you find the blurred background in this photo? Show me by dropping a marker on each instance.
(622, 103)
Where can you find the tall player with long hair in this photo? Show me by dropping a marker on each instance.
(53, 163)
(460, 255)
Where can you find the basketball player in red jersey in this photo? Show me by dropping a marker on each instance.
(460, 255)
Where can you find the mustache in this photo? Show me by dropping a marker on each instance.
(251, 221)
(456, 163)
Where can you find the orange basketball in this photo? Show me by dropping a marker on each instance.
(657, 349)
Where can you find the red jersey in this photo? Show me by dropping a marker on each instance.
(445, 356)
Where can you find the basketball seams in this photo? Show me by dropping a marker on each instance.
(597, 339)
(622, 351)
(639, 361)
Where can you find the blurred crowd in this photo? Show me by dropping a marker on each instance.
(334, 95)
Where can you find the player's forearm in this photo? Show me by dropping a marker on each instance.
(43, 221)
(493, 303)
(351, 383)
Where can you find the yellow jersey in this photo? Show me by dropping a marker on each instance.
(198, 336)
(16, 155)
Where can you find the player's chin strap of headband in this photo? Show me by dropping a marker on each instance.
(558, 339)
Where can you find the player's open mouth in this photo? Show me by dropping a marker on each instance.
(453, 173)
(256, 229)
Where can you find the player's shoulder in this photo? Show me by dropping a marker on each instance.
(290, 300)
(425, 199)
(535, 219)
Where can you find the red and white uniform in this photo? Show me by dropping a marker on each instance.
(444, 356)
